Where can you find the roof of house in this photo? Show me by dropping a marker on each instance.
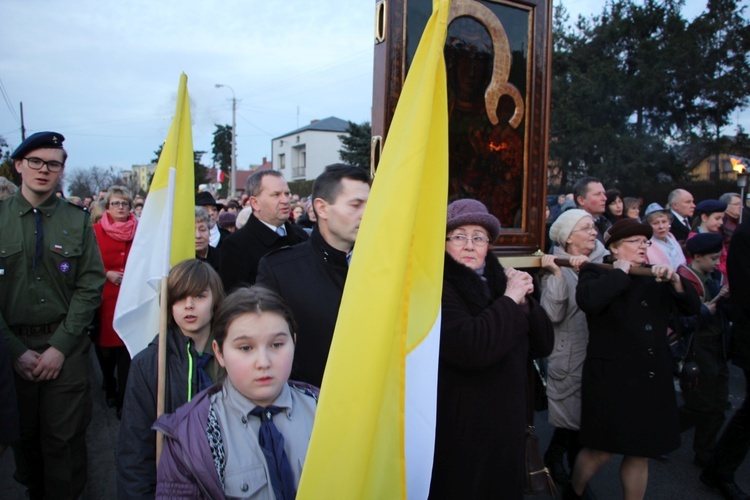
(330, 124)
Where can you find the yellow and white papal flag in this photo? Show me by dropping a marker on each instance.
(374, 431)
(165, 234)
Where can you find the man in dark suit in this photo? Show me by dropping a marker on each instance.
(311, 276)
(267, 229)
(682, 206)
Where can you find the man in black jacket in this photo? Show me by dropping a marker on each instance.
(267, 229)
(311, 276)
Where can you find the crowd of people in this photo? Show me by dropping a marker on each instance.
(624, 304)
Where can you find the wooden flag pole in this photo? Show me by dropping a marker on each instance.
(162, 365)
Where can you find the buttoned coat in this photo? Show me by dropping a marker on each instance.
(66, 287)
(241, 251)
(310, 277)
(565, 362)
(628, 397)
(485, 343)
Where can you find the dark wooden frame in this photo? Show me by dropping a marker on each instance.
(392, 56)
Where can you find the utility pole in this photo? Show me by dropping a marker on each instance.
(23, 128)
(233, 176)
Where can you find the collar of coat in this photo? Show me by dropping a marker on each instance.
(475, 291)
(326, 251)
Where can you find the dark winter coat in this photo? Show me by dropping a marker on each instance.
(485, 343)
(628, 398)
(136, 449)
(242, 250)
(738, 270)
(310, 277)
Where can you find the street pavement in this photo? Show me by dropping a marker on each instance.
(675, 479)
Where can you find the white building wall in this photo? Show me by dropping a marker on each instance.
(320, 149)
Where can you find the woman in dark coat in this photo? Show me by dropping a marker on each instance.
(490, 325)
(628, 398)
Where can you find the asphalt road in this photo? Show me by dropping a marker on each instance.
(675, 479)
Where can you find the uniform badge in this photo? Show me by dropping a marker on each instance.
(58, 248)
(64, 266)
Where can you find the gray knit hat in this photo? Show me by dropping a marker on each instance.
(463, 212)
(564, 224)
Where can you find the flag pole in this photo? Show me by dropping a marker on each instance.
(163, 312)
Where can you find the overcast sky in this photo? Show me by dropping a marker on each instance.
(105, 73)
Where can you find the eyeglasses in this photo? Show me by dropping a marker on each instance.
(639, 242)
(37, 163)
(587, 229)
(460, 240)
(119, 204)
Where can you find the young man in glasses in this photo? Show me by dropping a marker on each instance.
(51, 279)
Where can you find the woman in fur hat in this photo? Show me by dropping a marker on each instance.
(490, 325)
(574, 234)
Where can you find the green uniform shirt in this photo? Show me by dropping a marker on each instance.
(66, 286)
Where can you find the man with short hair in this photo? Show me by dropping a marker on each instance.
(591, 197)
(682, 205)
(51, 281)
(267, 229)
(311, 276)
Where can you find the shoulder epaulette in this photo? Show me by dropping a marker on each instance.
(306, 389)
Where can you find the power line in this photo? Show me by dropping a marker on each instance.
(7, 102)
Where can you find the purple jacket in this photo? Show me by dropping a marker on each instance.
(186, 468)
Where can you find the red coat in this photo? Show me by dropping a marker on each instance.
(114, 255)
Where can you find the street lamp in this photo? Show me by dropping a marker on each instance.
(741, 170)
(233, 177)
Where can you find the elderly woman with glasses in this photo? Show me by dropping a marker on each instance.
(664, 249)
(628, 402)
(114, 235)
(490, 326)
(574, 234)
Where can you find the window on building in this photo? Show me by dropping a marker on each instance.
(300, 161)
(282, 161)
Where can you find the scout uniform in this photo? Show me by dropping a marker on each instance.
(51, 279)
(705, 405)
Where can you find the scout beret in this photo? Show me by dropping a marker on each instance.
(710, 206)
(39, 140)
(705, 243)
(625, 228)
(472, 212)
(204, 198)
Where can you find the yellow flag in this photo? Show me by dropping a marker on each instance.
(165, 233)
(375, 425)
